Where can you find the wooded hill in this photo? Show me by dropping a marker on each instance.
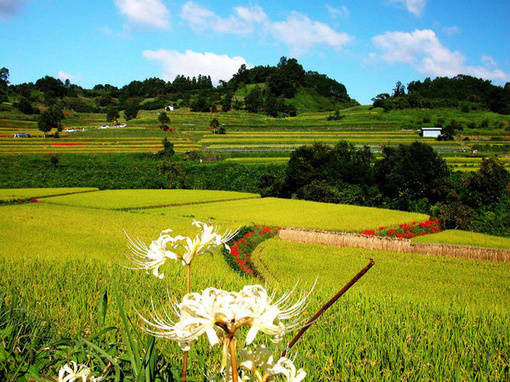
(284, 89)
(463, 91)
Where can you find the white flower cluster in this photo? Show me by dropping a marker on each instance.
(258, 365)
(218, 310)
(179, 247)
(72, 372)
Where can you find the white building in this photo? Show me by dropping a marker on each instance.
(169, 108)
(430, 132)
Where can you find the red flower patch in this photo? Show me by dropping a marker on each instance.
(407, 231)
(242, 248)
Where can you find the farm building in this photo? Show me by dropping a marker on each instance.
(169, 108)
(430, 132)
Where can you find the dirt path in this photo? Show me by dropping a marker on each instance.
(341, 239)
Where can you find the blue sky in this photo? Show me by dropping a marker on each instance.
(367, 45)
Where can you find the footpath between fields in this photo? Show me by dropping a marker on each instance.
(354, 240)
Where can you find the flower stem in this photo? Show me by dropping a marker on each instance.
(185, 355)
(327, 305)
(188, 278)
(184, 366)
(233, 360)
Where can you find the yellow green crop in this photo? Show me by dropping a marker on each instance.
(458, 237)
(294, 213)
(122, 199)
(7, 194)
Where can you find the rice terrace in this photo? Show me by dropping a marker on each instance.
(189, 202)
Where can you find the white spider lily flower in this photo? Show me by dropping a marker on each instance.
(257, 364)
(205, 242)
(72, 372)
(182, 248)
(286, 367)
(218, 310)
(154, 256)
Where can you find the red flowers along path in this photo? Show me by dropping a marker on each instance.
(243, 246)
(407, 231)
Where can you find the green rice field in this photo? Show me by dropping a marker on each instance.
(126, 199)
(458, 237)
(248, 132)
(412, 317)
(7, 194)
(292, 213)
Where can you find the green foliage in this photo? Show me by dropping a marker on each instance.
(447, 92)
(330, 168)
(163, 118)
(112, 114)
(336, 116)
(50, 119)
(26, 107)
(131, 109)
(254, 100)
(168, 148)
(489, 185)
(214, 124)
(411, 172)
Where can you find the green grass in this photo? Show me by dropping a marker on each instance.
(7, 194)
(412, 316)
(123, 199)
(294, 213)
(473, 239)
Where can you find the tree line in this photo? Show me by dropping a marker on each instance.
(407, 177)
(466, 92)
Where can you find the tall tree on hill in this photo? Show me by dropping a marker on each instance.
(112, 115)
(50, 119)
(4, 77)
(409, 173)
(254, 100)
(163, 118)
(131, 109)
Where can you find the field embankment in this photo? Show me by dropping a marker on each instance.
(429, 246)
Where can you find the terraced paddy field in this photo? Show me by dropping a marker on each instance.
(8, 194)
(412, 316)
(253, 133)
(292, 213)
(77, 145)
(127, 199)
(458, 237)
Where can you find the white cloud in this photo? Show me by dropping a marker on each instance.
(145, 13)
(242, 22)
(63, 76)
(341, 11)
(450, 31)
(301, 33)
(416, 7)
(253, 14)
(189, 63)
(423, 50)
(298, 31)
(9, 8)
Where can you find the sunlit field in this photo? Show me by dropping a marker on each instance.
(411, 316)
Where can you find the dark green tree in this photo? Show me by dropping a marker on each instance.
(214, 125)
(226, 102)
(254, 100)
(4, 77)
(163, 118)
(409, 173)
(131, 109)
(51, 119)
(487, 186)
(112, 115)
